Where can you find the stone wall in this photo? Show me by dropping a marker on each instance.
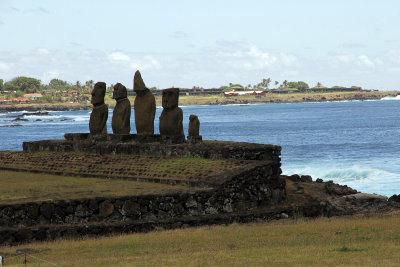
(246, 191)
(154, 145)
(239, 196)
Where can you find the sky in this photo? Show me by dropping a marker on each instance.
(208, 43)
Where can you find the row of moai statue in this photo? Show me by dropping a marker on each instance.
(145, 110)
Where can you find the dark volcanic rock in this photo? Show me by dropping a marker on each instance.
(144, 105)
(121, 120)
(171, 116)
(194, 125)
(99, 115)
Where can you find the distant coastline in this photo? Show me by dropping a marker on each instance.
(221, 100)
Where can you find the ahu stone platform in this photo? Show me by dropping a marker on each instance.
(237, 182)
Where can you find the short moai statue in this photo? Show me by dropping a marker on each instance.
(194, 125)
(99, 115)
(121, 120)
(144, 106)
(171, 116)
(194, 130)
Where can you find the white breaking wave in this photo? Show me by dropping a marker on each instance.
(350, 174)
(79, 118)
(391, 97)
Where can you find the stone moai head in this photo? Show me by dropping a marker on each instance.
(170, 98)
(138, 83)
(98, 93)
(119, 92)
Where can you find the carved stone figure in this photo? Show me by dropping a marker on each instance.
(99, 115)
(194, 125)
(121, 120)
(171, 116)
(144, 105)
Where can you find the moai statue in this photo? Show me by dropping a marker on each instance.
(121, 120)
(194, 125)
(171, 116)
(194, 129)
(99, 115)
(144, 105)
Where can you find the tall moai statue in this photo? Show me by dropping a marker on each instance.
(99, 115)
(121, 120)
(144, 106)
(171, 116)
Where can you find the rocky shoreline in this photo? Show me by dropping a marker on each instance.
(271, 99)
(43, 107)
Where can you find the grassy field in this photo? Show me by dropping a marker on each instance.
(118, 166)
(271, 98)
(19, 187)
(351, 241)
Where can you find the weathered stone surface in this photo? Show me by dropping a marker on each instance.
(99, 115)
(106, 208)
(121, 120)
(144, 106)
(171, 116)
(194, 125)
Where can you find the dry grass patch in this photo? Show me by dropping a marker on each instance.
(118, 166)
(352, 241)
(19, 187)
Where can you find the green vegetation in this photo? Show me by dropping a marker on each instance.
(351, 241)
(19, 187)
(24, 84)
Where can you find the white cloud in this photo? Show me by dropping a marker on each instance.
(42, 51)
(118, 56)
(213, 67)
(4, 66)
(364, 60)
(49, 75)
(148, 62)
(178, 34)
(289, 60)
(344, 58)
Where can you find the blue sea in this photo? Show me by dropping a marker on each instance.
(354, 143)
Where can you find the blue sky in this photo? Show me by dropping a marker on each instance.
(202, 43)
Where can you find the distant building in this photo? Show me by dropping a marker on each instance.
(244, 93)
(20, 100)
(33, 97)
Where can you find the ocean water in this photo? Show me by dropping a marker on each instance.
(355, 143)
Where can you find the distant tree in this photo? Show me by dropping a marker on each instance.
(57, 83)
(89, 84)
(1, 85)
(302, 85)
(284, 83)
(276, 83)
(78, 84)
(19, 93)
(25, 84)
(293, 85)
(319, 85)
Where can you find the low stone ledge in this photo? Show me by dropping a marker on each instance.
(117, 144)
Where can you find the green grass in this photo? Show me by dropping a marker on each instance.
(351, 241)
(19, 187)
